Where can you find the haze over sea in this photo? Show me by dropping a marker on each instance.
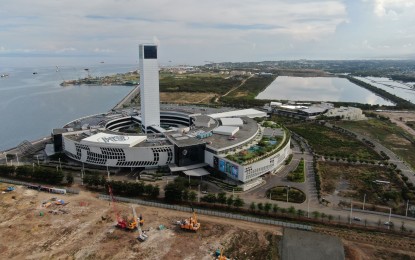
(32, 105)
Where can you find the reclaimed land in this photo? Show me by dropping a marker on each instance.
(388, 134)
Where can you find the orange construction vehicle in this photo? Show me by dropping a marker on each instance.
(190, 223)
(128, 224)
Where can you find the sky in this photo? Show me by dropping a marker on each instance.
(196, 32)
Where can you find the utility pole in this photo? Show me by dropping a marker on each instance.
(198, 194)
(407, 206)
(108, 172)
(364, 201)
(351, 211)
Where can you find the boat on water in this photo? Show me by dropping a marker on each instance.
(4, 75)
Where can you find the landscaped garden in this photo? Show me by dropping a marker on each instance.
(264, 146)
(298, 174)
(280, 193)
(328, 142)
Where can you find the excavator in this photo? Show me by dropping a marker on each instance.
(127, 224)
(190, 224)
(142, 236)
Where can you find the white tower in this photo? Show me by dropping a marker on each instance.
(149, 86)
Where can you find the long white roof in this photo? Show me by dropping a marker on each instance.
(114, 140)
(232, 121)
(250, 112)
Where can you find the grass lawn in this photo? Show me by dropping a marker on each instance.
(387, 133)
(279, 193)
(326, 141)
(358, 180)
(211, 83)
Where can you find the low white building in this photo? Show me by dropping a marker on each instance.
(347, 113)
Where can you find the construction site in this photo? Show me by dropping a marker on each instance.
(40, 225)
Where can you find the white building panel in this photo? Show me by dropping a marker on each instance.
(226, 130)
(231, 121)
(250, 112)
(149, 85)
(114, 140)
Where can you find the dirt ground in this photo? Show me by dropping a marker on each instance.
(186, 97)
(85, 229)
(400, 119)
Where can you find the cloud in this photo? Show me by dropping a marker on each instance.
(202, 30)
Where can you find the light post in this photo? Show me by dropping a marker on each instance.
(407, 206)
(17, 157)
(308, 207)
(198, 194)
(108, 172)
(82, 174)
(6, 159)
(288, 189)
(37, 157)
(351, 211)
(60, 165)
(390, 213)
(364, 201)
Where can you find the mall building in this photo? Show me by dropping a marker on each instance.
(186, 139)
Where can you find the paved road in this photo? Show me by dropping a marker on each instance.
(258, 195)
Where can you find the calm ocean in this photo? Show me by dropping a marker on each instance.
(32, 102)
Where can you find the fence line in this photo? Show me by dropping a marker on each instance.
(209, 212)
(68, 190)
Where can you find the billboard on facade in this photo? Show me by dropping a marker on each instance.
(225, 167)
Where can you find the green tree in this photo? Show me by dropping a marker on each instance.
(69, 178)
(315, 214)
(229, 201)
(185, 195)
(221, 198)
(192, 196)
(300, 212)
(155, 192)
(260, 206)
(252, 206)
(173, 192)
(275, 208)
(211, 198)
(238, 202)
(291, 210)
(267, 207)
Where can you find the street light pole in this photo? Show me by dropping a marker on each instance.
(37, 157)
(390, 213)
(17, 159)
(351, 211)
(308, 207)
(407, 206)
(108, 172)
(288, 188)
(364, 201)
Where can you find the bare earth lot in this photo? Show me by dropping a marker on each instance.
(81, 232)
(186, 97)
(84, 229)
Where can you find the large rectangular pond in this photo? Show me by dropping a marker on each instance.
(330, 89)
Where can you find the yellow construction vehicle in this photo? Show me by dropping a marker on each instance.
(190, 223)
(220, 256)
(142, 236)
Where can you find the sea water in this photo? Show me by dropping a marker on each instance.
(32, 102)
